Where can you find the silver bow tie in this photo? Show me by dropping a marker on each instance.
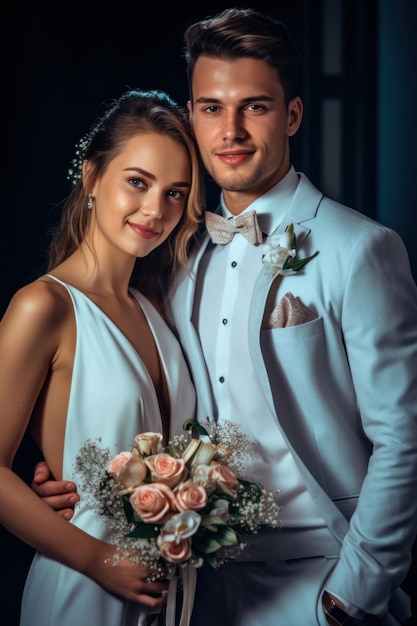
(222, 230)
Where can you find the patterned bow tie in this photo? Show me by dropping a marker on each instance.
(222, 230)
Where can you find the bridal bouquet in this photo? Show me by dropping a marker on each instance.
(176, 507)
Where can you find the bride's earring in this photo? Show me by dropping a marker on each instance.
(90, 201)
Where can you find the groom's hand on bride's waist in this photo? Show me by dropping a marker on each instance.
(60, 495)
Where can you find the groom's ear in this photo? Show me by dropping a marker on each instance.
(295, 115)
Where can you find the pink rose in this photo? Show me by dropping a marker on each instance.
(190, 496)
(153, 503)
(166, 469)
(117, 463)
(174, 551)
(128, 475)
(224, 478)
(148, 443)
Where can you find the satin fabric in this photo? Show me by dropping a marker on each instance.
(113, 398)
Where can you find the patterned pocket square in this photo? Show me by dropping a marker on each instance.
(290, 311)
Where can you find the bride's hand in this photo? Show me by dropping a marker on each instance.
(123, 577)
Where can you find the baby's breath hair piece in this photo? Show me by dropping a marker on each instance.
(75, 171)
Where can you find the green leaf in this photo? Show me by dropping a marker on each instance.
(288, 263)
(253, 488)
(206, 545)
(211, 560)
(212, 520)
(191, 423)
(221, 495)
(128, 509)
(298, 265)
(226, 536)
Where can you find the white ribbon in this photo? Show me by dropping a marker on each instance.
(189, 582)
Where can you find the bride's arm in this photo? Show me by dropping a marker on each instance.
(29, 343)
(30, 519)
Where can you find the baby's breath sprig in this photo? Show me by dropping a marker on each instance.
(75, 170)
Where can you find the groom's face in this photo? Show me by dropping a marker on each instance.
(242, 125)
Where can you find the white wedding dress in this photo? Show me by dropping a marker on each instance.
(112, 398)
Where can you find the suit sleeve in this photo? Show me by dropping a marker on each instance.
(379, 325)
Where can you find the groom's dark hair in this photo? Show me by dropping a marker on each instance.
(237, 33)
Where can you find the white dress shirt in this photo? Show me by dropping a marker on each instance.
(225, 283)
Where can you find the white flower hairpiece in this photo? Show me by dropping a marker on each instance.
(75, 171)
(279, 255)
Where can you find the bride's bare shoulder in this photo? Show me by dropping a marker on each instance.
(43, 301)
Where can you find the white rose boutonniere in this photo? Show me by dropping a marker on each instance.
(280, 256)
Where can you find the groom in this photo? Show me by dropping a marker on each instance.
(319, 366)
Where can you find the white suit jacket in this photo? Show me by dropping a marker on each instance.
(343, 387)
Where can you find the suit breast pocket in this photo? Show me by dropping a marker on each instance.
(312, 391)
(301, 333)
(296, 359)
(289, 311)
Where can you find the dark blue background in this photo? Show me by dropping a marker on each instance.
(61, 61)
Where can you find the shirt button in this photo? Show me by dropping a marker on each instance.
(233, 263)
(221, 379)
(224, 321)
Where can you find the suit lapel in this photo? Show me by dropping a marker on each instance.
(182, 302)
(302, 209)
